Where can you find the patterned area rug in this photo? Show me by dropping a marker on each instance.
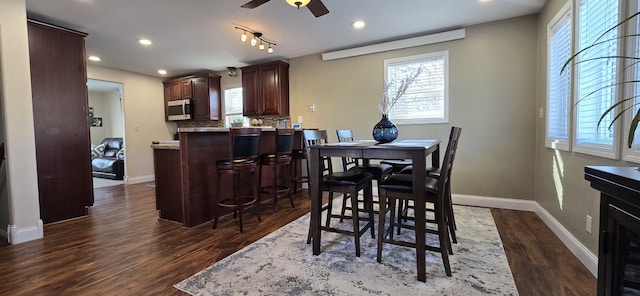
(283, 264)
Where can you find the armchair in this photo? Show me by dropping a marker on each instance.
(110, 164)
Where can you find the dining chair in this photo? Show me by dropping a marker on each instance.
(379, 171)
(244, 146)
(400, 187)
(281, 158)
(435, 173)
(349, 183)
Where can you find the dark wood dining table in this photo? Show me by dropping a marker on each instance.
(415, 150)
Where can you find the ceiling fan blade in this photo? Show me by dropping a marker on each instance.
(317, 8)
(254, 3)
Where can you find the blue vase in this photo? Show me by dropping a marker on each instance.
(385, 131)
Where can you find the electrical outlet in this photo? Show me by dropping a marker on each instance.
(588, 224)
(312, 108)
(299, 119)
(541, 113)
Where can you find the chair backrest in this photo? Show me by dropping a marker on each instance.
(284, 141)
(347, 162)
(450, 155)
(317, 137)
(244, 143)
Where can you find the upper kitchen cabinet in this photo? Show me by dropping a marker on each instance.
(204, 91)
(265, 89)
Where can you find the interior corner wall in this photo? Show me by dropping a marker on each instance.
(492, 96)
(143, 105)
(98, 101)
(17, 111)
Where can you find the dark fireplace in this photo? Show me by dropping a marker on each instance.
(619, 232)
(624, 242)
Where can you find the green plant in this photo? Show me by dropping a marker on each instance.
(619, 108)
(238, 120)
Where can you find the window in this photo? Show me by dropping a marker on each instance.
(632, 91)
(233, 105)
(427, 99)
(595, 79)
(559, 83)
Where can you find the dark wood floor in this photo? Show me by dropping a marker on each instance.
(121, 248)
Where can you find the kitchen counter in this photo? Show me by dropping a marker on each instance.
(185, 172)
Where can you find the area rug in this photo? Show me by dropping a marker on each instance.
(283, 264)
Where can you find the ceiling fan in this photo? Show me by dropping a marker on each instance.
(315, 6)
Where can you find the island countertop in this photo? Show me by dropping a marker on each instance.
(223, 129)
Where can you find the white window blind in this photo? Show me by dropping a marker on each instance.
(559, 84)
(426, 100)
(595, 80)
(232, 104)
(632, 90)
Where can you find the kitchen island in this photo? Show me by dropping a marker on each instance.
(185, 172)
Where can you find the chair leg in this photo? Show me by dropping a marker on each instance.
(275, 189)
(216, 213)
(356, 222)
(401, 204)
(368, 205)
(256, 195)
(345, 196)
(330, 208)
(289, 191)
(443, 235)
(392, 216)
(382, 213)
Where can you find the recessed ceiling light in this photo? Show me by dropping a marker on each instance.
(358, 24)
(162, 72)
(94, 58)
(144, 42)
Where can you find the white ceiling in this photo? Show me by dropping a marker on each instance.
(192, 35)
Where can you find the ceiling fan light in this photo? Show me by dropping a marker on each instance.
(254, 41)
(261, 47)
(298, 3)
(243, 37)
(270, 49)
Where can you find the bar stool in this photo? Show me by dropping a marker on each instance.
(348, 183)
(244, 144)
(298, 155)
(281, 158)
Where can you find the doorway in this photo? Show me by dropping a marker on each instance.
(106, 117)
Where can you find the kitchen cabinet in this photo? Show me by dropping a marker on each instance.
(60, 121)
(265, 89)
(202, 88)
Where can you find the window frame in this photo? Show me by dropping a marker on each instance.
(421, 57)
(555, 142)
(611, 151)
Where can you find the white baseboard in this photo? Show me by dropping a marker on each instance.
(21, 235)
(586, 257)
(143, 179)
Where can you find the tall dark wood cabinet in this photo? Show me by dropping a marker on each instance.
(265, 89)
(203, 89)
(61, 122)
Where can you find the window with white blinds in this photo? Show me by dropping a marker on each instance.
(595, 78)
(632, 90)
(559, 83)
(427, 98)
(232, 104)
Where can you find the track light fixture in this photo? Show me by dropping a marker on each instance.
(256, 39)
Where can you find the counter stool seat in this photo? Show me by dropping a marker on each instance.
(244, 144)
(281, 158)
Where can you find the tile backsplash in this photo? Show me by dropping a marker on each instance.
(266, 121)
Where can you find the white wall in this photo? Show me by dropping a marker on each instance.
(106, 105)
(24, 220)
(143, 99)
(492, 97)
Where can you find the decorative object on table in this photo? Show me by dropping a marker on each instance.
(96, 121)
(385, 131)
(481, 266)
(238, 122)
(256, 122)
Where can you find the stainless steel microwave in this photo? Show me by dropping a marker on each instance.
(179, 110)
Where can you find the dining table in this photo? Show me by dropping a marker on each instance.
(415, 150)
